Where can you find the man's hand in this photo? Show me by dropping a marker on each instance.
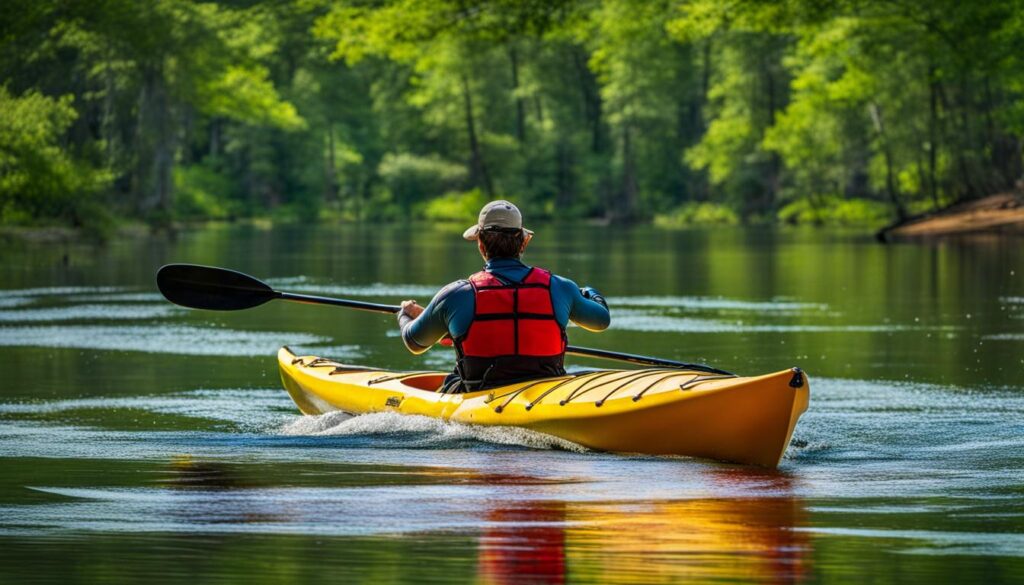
(592, 294)
(411, 308)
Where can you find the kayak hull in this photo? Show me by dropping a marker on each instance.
(747, 420)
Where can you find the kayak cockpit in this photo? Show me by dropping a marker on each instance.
(428, 382)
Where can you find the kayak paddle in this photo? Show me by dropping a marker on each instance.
(220, 289)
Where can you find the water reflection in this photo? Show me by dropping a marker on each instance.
(646, 541)
(215, 478)
(651, 541)
(525, 542)
(527, 527)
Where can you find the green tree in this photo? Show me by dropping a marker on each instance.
(39, 177)
(692, 110)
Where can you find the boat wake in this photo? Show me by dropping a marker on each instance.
(422, 431)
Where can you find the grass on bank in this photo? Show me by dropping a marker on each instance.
(819, 211)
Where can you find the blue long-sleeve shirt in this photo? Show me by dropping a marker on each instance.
(451, 310)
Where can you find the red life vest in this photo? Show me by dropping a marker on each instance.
(514, 335)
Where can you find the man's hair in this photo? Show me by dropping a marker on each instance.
(502, 243)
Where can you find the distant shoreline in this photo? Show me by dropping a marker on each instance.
(1000, 214)
(996, 214)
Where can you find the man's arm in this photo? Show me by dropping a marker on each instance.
(588, 309)
(420, 332)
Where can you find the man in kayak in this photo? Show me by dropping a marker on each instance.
(508, 321)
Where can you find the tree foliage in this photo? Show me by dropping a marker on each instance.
(694, 110)
(39, 177)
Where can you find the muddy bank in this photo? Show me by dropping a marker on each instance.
(995, 214)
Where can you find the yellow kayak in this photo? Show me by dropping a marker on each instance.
(655, 411)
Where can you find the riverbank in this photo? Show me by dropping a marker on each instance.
(692, 216)
(999, 214)
(57, 234)
(1002, 213)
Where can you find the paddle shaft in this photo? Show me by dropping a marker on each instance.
(573, 350)
(315, 300)
(220, 289)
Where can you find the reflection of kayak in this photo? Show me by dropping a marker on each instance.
(749, 540)
(651, 411)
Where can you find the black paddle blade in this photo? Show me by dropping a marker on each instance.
(208, 287)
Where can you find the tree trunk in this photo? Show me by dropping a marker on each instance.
(705, 74)
(155, 148)
(1002, 146)
(774, 160)
(698, 184)
(933, 136)
(331, 190)
(520, 103)
(477, 167)
(564, 175)
(890, 178)
(967, 136)
(187, 127)
(956, 145)
(990, 126)
(630, 189)
(108, 124)
(591, 102)
(214, 137)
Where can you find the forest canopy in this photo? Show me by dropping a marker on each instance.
(684, 111)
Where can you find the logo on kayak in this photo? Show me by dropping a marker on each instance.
(394, 401)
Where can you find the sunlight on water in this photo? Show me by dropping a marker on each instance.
(171, 339)
(377, 289)
(253, 410)
(56, 291)
(127, 297)
(716, 303)
(439, 358)
(638, 320)
(945, 543)
(92, 313)
(10, 302)
(1005, 337)
(259, 510)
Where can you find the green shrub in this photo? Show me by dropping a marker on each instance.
(693, 213)
(293, 213)
(410, 177)
(832, 210)
(39, 179)
(202, 193)
(455, 206)
(379, 206)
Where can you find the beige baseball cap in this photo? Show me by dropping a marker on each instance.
(497, 215)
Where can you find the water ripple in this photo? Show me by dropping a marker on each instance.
(91, 312)
(639, 320)
(716, 303)
(170, 339)
(377, 289)
(55, 291)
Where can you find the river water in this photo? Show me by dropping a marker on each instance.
(142, 441)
